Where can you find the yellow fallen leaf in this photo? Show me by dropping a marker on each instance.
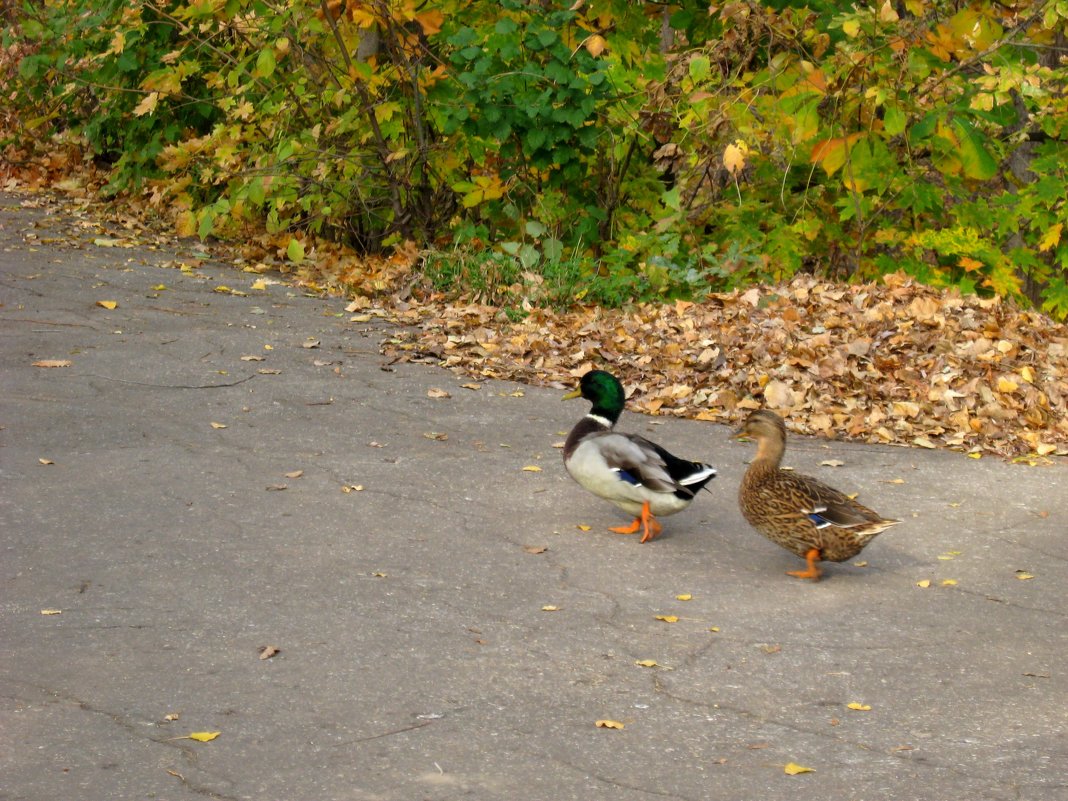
(107, 304)
(1007, 385)
(222, 288)
(218, 425)
(647, 663)
(949, 582)
(859, 707)
(860, 564)
(793, 769)
(204, 736)
(294, 474)
(260, 284)
(896, 481)
(582, 527)
(668, 618)
(925, 583)
(1023, 575)
(946, 557)
(51, 611)
(550, 608)
(159, 287)
(380, 574)
(170, 717)
(684, 597)
(532, 468)
(609, 724)
(46, 461)
(714, 629)
(52, 363)
(975, 455)
(352, 488)
(268, 347)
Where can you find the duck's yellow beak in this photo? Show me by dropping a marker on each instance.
(575, 393)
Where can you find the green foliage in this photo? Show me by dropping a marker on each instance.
(598, 152)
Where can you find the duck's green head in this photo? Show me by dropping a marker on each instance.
(604, 391)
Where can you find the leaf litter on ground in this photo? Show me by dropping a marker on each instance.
(893, 363)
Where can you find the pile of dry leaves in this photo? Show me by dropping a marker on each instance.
(894, 363)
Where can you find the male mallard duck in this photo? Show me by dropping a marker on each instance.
(796, 511)
(635, 474)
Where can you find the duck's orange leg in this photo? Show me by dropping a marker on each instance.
(813, 571)
(645, 521)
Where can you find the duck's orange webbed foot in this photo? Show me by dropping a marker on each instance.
(652, 527)
(631, 529)
(645, 521)
(813, 570)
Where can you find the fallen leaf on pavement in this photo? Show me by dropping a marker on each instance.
(608, 724)
(793, 769)
(202, 736)
(535, 549)
(858, 707)
(52, 363)
(45, 461)
(532, 468)
(51, 611)
(437, 393)
(668, 618)
(218, 425)
(267, 651)
(107, 304)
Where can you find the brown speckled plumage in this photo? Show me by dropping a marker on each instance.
(800, 513)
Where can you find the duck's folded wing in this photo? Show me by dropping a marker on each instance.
(634, 460)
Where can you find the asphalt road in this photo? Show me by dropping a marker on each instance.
(150, 500)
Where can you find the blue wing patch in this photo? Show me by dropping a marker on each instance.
(630, 478)
(817, 519)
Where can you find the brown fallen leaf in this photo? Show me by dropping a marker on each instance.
(535, 549)
(294, 474)
(170, 717)
(276, 487)
(832, 463)
(45, 461)
(608, 724)
(53, 363)
(253, 358)
(346, 488)
(437, 393)
(267, 651)
(310, 343)
(436, 435)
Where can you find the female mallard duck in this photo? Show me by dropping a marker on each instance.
(798, 512)
(637, 475)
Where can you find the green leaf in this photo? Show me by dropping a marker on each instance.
(700, 68)
(265, 63)
(976, 160)
(894, 121)
(295, 251)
